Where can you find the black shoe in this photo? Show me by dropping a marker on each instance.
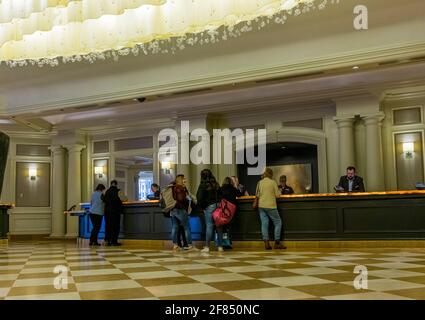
(117, 244)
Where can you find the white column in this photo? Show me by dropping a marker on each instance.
(74, 186)
(59, 197)
(346, 143)
(374, 179)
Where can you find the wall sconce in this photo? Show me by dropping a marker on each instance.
(32, 172)
(99, 172)
(166, 166)
(408, 149)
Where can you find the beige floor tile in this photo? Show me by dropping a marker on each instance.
(144, 269)
(95, 272)
(419, 279)
(165, 281)
(270, 294)
(102, 277)
(106, 285)
(88, 263)
(220, 277)
(328, 289)
(331, 264)
(203, 271)
(241, 285)
(315, 271)
(383, 285)
(117, 294)
(91, 267)
(154, 275)
(4, 292)
(54, 296)
(193, 266)
(394, 273)
(367, 296)
(203, 296)
(181, 289)
(250, 268)
(270, 262)
(38, 282)
(396, 265)
(295, 281)
(8, 277)
(228, 264)
(417, 293)
(136, 265)
(39, 289)
(269, 274)
(11, 267)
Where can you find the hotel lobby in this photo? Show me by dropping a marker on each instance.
(88, 88)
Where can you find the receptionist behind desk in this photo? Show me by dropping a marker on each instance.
(283, 187)
(351, 182)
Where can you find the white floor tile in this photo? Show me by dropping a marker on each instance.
(181, 289)
(270, 294)
(295, 281)
(107, 285)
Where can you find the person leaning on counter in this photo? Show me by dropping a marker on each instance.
(351, 182)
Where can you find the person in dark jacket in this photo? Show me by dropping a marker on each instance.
(230, 193)
(351, 182)
(209, 196)
(113, 210)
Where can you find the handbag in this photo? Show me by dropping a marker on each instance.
(224, 213)
(255, 204)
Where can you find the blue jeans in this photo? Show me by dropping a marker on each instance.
(209, 221)
(273, 214)
(180, 217)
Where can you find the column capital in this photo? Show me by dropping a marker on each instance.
(373, 119)
(345, 121)
(74, 147)
(57, 149)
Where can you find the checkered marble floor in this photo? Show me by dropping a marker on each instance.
(27, 272)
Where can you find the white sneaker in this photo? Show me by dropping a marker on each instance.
(190, 248)
(205, 250)
(176, 248)
(220, 249)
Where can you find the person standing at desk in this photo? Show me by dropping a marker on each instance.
(351, 182)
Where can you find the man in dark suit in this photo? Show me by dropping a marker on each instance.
(113, 210)
(351, 182)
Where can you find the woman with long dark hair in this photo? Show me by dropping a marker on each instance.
(209, 196)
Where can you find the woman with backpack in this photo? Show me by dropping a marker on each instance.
(209, 196)
(179, 214)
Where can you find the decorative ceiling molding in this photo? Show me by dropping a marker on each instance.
(360, 57)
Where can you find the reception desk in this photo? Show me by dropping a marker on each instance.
(361, 216)
(4, 220)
